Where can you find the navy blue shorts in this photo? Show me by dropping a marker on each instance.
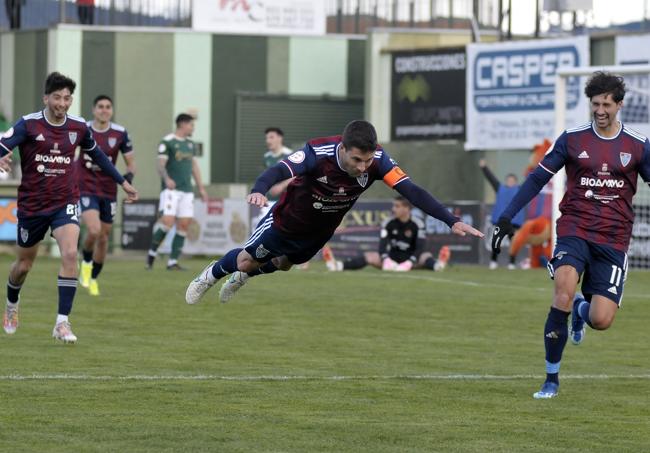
(268, 242)
(31, 230)
(106, 206)
(603, 268)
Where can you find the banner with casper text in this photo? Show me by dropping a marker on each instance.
(511, 91)
(259, 17)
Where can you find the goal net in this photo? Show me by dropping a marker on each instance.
(635, 114)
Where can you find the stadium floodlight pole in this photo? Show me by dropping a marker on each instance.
(561, 75)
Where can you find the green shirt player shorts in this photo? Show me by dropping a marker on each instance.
(179, 154)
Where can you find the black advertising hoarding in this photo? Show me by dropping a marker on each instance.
(428, 95)
(137, 223)
(464, 249)
(359, 230)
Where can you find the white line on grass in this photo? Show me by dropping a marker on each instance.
(213, 377)
(549, 288)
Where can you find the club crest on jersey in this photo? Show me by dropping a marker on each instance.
(24, 234)
(112, 141)
(625, 158)
(260, 251)
(297, 157)
(363, 179)
(73, 137)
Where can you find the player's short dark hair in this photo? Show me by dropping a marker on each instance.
(102, 97)
(360, 134)
(183, 118)
(403, 200)
(512, 175)
(57, 81)
(605, 83)
(277, 130)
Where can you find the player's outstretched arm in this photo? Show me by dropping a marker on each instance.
(425, 201)
(463, 229)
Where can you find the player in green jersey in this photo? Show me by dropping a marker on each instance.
(176, 165)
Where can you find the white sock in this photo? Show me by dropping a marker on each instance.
(171, 262)
(61, 318)
(12, 304)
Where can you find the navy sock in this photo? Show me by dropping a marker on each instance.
(13, 291)
(583, 311)
(97, 268)
(67, 288)
(356, 262)
(88, 255)
(430, 263)
(556, 333)
(226, 265)
(266, 268)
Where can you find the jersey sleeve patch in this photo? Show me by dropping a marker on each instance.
(394, 176)
(297, 157)
(162, 148)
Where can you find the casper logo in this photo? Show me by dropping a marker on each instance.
(522, 79)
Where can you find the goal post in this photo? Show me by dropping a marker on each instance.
(636, 114)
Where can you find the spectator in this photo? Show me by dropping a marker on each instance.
(86, 11)
(13, 8)
(505, 193)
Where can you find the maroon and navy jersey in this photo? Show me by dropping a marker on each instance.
(49, 179)
(322, 192)
(92, 180)
(602, 178)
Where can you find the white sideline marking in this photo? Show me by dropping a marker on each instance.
(213, 377)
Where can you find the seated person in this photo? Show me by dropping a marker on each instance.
(402, 240)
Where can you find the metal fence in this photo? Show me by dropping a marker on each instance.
(354, 16)
(343, 16)
(157, 13)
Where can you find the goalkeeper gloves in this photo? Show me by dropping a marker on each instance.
(502, 229)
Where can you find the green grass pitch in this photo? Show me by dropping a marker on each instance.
(310, 361)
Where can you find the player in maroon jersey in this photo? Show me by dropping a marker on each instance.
(98, 190)
(603, 160)
(48, 194)
(330, 174)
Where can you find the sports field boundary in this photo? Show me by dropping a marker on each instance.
(281, 378)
